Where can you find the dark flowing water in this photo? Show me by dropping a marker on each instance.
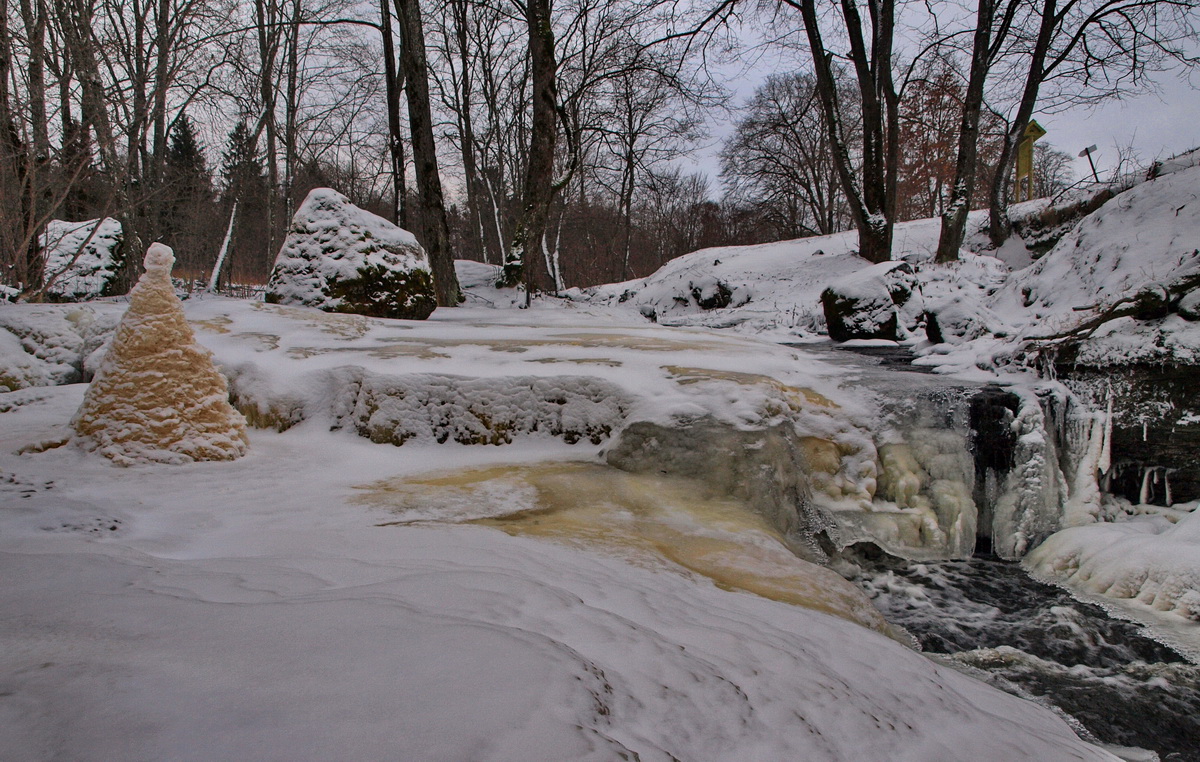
(1035, 640)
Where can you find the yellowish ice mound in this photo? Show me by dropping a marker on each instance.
(157, 397)
(647, 519)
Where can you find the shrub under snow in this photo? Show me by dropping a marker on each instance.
(157, 397)
(79, 264)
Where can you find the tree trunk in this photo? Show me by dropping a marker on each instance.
(999, 225)
(395, 137)
(524, 260)
(871, 202)
(214, 279)
(292, 104)
(429, 184)
(35, 21)
(467, 129)
(267, 16)
(954, 216)
(14, 170)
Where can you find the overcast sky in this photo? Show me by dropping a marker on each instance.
(1156, 125)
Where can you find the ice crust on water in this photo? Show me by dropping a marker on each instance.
(157, 397)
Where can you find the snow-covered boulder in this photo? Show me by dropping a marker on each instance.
(340, 258)
(957, 319)
(882, 301)
(1189, 306)
(47, 345)
(82, 259)
(157, 397)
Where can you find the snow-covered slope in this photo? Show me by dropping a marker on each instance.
(773, 290)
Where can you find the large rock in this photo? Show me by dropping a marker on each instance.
(882, 301)
(340, 258)
(82, 259)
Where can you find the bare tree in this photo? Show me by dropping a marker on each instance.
(1083, 51)
(429, 184)
(779, 158)
(871, 190)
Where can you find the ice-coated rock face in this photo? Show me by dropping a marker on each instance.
(340, 258)
(157, 397)
(431, 408)
(82, 258)
(882, 301)
(762, 468)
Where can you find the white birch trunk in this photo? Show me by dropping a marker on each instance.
(216, 273)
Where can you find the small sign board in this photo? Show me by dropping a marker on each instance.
(1023, 187)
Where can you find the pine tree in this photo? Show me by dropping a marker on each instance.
(245, 184)
(187, 205)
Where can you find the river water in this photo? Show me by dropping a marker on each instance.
(988, 616)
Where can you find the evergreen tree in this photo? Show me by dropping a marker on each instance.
(187, 206)
(249, 259)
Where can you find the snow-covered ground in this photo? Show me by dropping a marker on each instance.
(331, 595)
(286, 606)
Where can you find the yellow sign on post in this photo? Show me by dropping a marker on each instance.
(1023, 187)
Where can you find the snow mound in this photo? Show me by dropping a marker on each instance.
(82, 258)
(1147, 559)
(44, 345)
(340, 258)
(770, 287)
(157, 397)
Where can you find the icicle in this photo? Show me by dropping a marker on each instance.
(1167, 486)
(1105, 462)
(1144, 496)
(216, 273)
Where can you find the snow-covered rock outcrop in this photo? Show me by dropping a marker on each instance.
(157, 397)
(340, 258)
(882, 301)
(81, 258)
(47, 345)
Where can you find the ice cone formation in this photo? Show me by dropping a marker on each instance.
(157, 396)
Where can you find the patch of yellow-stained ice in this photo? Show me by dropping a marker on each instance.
(650, 520)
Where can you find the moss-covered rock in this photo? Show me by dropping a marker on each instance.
(882, 301)
(340, 258)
